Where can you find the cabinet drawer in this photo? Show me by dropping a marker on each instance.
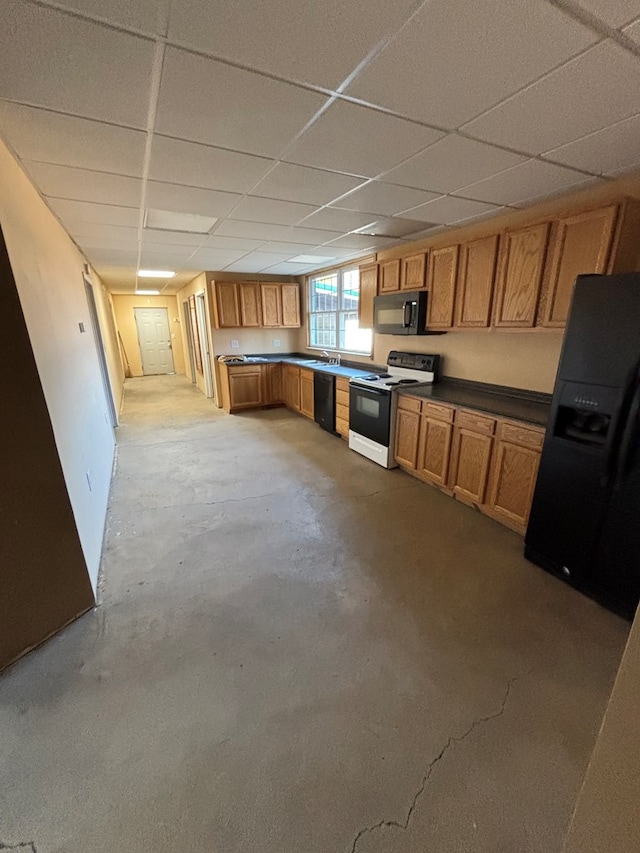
(342, 426)
(409, 404)
(475, 423)
(521, 435)
(342, 384)
(342, 397)
(342, 412)
(439, 413)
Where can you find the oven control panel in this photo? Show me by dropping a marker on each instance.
(414, 361)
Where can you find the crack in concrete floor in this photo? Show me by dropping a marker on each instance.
(404, 825)
(21, 845)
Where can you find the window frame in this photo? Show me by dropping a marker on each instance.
(339, 271)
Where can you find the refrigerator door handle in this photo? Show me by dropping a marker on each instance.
(629, 434)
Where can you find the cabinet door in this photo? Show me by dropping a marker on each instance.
(292, 387)
(272, 383)
(521, 266)
(245, 387)
(407, 433)
(441, 282)
(290, 296)
(434, 449)
(475, 284)
(342, 406)
(271, 297)
(413, 272)
(368, 291)
(249, 303)
(306, 393)
(513, 479)
(471, 456)
(389, 276)
(227, 304)
(582, 245)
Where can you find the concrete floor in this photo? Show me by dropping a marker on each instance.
(299, 652)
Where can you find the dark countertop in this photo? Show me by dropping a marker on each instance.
(346, 368)
(529, 406)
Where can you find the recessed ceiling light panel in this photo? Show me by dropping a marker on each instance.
(171, 220)
(147, 292)
(308, 259)
(156, 273)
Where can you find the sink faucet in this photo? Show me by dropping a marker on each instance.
(332, 359)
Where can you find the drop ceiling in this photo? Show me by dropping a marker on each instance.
(312, 133)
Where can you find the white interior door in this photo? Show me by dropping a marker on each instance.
(154, 338)
(201, 311)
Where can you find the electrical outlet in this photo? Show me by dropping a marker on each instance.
(235, 344)
(276, 343)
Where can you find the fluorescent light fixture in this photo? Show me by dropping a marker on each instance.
(147, 292)
(308, 259)
(156, 273)
(170, 220)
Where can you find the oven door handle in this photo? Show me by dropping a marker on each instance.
(370, 390)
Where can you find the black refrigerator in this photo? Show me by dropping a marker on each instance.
(584, 525)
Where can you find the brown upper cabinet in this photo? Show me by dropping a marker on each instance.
(249, 303)
(368, 291)
(226, 305)
(441, 282)
(290, 305)
(271, 304)
(413, 272)
(389, 276)
(522, 259)
(581, 244)
(476, 279)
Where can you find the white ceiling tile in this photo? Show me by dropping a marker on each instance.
(84, 185)
(232, 244)
(287, 268)
(51, 59)
(179, 162)
(254, 209)
(73, 213)
(252, 230)
(605, 152)
(299, 183)
(177, 238)
(214, 259)
(48, 137)
(164, 257)
(358, 140)
(190, 199)
(361, 241)
(532, 179)
(299, 39)
(105, 236)
(112, 257)
(613, 12)
(334, 219)
(250, 264)
(448, 209)
(136, 14)
(393, 226)
(591, 92)
(284, 248)
(456, 59)
(385, 199)
(633, 32)
(451, 163)
(230, 107)
(299, 234)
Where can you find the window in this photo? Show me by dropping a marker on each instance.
(333, 312)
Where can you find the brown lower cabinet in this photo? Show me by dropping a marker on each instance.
(488, 462)
(342, 406)
(291, 387)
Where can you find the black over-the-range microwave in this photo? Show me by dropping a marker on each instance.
(401, 314)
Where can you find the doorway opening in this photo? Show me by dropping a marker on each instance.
(154, 339)
(201, 308)
(102, 359)
(189, 338)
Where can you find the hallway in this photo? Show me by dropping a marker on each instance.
(299, 652)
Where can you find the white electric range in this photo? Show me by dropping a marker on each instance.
(373, 401)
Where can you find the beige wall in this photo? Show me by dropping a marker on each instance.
(607, 814)
(48, 271)
(106, 318)
(126, 323)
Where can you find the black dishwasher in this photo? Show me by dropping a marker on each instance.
(324, 400)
